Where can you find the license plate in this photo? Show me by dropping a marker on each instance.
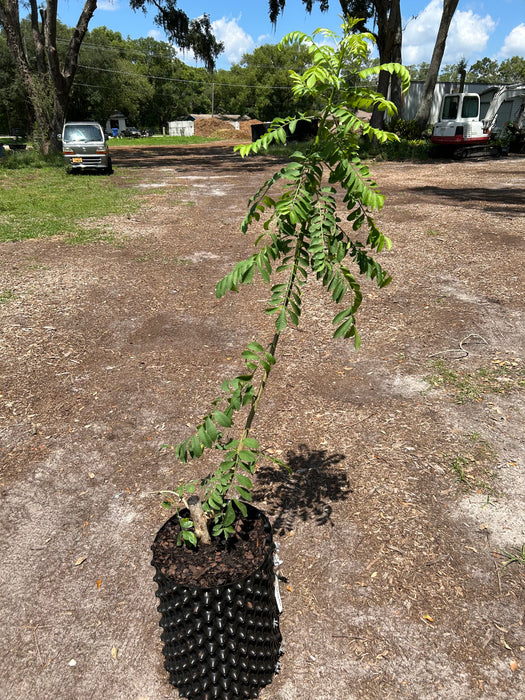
(76, 160)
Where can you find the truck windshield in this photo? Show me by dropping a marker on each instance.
(82, 132)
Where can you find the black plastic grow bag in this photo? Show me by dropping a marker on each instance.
(221, 643)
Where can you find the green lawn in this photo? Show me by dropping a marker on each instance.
(47, 201)
(159, 141)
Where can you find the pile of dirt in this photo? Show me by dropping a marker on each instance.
(213, 127)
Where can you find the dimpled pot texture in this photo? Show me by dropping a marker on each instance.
(219, 612)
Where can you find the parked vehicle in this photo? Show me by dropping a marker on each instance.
(460, 128)
(459, 123)
(131, 133)
(84, 147)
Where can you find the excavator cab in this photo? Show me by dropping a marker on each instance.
(459, 121)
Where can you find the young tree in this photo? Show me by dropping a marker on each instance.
(308, 212)
(261, 86)
(423, 112)
(386, 14)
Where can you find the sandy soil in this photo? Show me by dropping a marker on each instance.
(408, 457)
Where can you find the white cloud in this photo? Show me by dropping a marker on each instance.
(468, 35)
(514, 44)
(108, 5)
(265, 39)
(236, 41)
(157, 35)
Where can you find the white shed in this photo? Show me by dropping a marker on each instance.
(181, 128)
(116, 121)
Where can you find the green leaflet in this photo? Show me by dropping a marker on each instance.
(244, 481)
(222, 419)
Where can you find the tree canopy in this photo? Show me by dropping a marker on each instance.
(48, 74)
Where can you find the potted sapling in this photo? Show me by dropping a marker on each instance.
(214, 559)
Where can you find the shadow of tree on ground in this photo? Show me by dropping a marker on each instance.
(314, 482)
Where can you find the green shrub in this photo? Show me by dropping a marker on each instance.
(30, 158)
(404, 149)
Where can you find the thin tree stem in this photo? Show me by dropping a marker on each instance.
(275, 340)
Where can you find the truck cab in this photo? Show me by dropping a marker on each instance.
(84, 147)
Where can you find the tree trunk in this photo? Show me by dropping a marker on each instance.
(49, 87)
(389, 42)
(423, 112)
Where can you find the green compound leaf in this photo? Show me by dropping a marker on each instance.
(229, 516)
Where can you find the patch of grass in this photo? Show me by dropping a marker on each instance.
(517, 556)
(46, 201)
(458, 468)
(404, 149)
(159, 141)
(7, 295)
(468, 472)
(501, 377)
(93, 235)
(30, 158)
(475, 469)
(474, 466)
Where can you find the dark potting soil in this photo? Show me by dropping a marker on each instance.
(216, 564)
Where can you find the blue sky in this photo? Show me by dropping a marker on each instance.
(480, 28)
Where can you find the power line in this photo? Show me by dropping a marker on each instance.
(182, 80)
(125, 49)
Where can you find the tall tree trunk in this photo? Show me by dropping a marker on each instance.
(423, 112)
(49, 87)
(396, 93)
(389, 43)
(62, 79)
(10, 21)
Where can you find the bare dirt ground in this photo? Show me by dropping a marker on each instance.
(408, 456)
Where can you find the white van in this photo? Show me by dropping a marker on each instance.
(84, 146)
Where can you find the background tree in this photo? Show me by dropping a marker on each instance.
(452, 72)
(261, 86)
(418, 71)
(14, 109)
(49, 79)
(485, 71)
(177, 89)
(512, 70)
(423, 112)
